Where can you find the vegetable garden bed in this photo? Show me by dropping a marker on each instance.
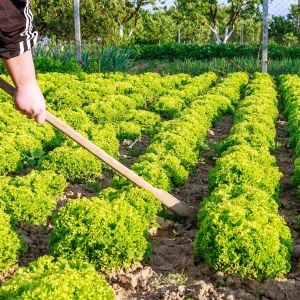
(163, 121)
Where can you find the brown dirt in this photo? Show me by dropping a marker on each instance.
(160, 68)
(131, 150)
(197, 186)
(36, 239)
(139, 68)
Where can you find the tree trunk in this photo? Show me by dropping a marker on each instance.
(121, 31)
(242, 35)
(179, 35)
(227, 34)
(265, 34)
(131, 32)
(76, 5)
(298, 18)
(215, 33)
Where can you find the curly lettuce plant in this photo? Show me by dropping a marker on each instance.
(289, 85)
(243, 237)
(52, 279)
(75, 164)
(11, 244)
(110, 235)
(240, 231)
(31, 198)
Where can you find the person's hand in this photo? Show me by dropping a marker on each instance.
(28, 96)
(30, 101)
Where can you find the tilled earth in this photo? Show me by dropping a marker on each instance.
(172, 271)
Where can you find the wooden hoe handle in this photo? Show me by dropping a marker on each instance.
(165, 198)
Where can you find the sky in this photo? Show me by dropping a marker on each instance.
(276, 7)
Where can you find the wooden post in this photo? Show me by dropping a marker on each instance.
(265, 36)
(76, 6)
(178, 36)
(242, 36)
(298, 18)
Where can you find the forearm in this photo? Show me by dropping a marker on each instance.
(28, 96)
(21, 69)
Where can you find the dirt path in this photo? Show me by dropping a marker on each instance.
(290, 202)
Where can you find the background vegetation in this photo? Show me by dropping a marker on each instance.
(108, 22)
(189, 36)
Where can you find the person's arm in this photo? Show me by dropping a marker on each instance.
(28, 96)
(17, 37)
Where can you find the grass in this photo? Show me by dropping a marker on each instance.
(224, 66)
(94, 58)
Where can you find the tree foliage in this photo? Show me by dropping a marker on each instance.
(55, 18)
(155, 28)
(104, 20)
(283, 30)
(114, 22)
(221, 19)
(124, 13)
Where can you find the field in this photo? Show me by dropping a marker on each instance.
(228, 146)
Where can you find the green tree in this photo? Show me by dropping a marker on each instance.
(190, 27)
(283, 30)
(124, 12)
(155, 28)
(55, 18)
(221, 19)
(295, 17)
(247, 31)
(104, 20)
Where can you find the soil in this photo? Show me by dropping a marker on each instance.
(143, 66)
(172, 271)
(139, 68)
(131, 150)
(160, 68)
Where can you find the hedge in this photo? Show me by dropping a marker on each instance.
(200, 52)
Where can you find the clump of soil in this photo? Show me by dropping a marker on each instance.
(36, 239)
(131, 150)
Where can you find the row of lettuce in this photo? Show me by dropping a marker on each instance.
(240, 230)
(290, 89)
(32, 198)
(110, 231)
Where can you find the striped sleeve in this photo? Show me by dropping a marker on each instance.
(17, 33)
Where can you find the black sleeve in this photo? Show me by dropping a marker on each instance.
(17, 33)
